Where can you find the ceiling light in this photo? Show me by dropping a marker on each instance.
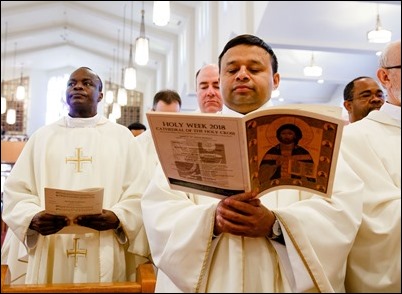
(20, 94)
(379, 35)
(122, 96)
(109, 96)
(11, 116)
(130, 75)
(142, 43)
(161, 13)
(109, 91)
(3, 98)
(312, 70)
(122, 93)
(116, 110)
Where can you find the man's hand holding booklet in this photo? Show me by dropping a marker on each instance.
(72, 204)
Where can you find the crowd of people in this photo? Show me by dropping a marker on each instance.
(283, 241)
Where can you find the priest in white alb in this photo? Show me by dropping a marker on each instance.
(80, 151)
(284, 241)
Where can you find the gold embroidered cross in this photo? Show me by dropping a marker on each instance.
(76, 251)
(79, 159)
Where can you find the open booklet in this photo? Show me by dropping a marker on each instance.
(72, 203)
(293, 146)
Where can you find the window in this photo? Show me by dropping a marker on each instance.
(56, 105)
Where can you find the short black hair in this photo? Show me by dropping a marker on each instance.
(100, 88)
(137, 126)
(348, 91)
(250, 40)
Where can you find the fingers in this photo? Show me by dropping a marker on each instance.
(100, 222)
(47, 224)
(241, 197)
(242, 215)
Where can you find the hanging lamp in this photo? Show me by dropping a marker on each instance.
(122, 92)
(3, 97)
(11, 115)
(130, 75)
(109, 91)
(142, 43)
(20, 93)
(161, 13)
(312, 70)
(379, 35)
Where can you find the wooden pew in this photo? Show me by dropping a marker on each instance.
(10, 151)
(145, 284)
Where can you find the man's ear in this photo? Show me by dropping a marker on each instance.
(382, 75)
(348, 105)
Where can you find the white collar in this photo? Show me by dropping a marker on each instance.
(227, 110)
(81, 122)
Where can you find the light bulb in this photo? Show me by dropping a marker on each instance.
(130, 78)
(141, 51)
(11, 116)
(20, 94)
(122, 96)
(161, 13)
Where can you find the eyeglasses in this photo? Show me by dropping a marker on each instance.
(391, 67)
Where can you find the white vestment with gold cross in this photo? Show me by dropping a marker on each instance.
(76, 154)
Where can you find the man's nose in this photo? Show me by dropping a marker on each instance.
(243, 73)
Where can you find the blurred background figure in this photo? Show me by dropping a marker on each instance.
(137, 128)
(362, 95)
(167, 101)
(209, 97)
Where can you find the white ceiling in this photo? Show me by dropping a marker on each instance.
(56, 34)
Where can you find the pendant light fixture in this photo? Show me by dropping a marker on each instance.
(379, 35)
(312, 70)
(109, 91)
(11, 116)
(3, 97)
(122, 92)
(130, 75)
(116, 110)
(20, 93)
(142, 43)
(161, 13)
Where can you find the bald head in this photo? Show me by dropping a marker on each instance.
(207, 86)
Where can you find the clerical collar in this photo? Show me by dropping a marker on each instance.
(227, 110)
(81, 122)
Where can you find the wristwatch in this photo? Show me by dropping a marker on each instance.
(276, 231)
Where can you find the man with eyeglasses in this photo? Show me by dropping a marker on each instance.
(362, 95)
(372, 147)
